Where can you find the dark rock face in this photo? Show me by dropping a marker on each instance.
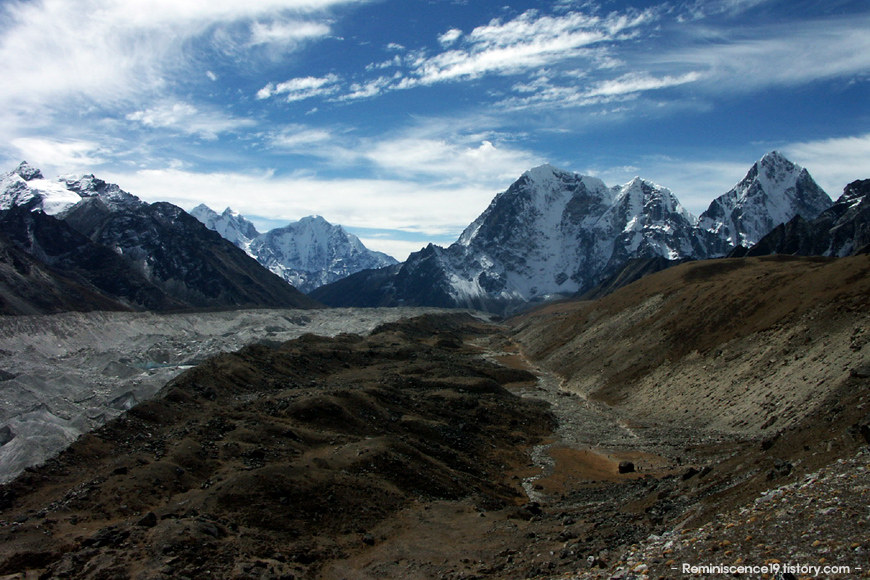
(151, 257)
(47, 267)
(178, 254)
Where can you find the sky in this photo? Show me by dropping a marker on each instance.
(402, 119)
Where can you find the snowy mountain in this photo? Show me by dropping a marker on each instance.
(841, 230)
(25, 187)
(307, 254)
(145, 256)
(773, 192)
(555, 233)
(231, 225)
(551, 233)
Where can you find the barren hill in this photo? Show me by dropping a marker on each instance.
(737, 346)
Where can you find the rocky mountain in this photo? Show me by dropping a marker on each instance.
(69, 254)
(555, 233)
(551, 233)
(307, 254)
(29, 286)
(147, 256)
(231, 225)
(841, 230)
(26, 187)
(774, 191)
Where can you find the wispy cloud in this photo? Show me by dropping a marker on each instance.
(188, 119)
(706, 8)
(57, 54)
(543, 92)
(435, 151)
(751, 58)
(287, 34)
(520, 45)
(833, 163)
(302, 88)
(56, 153)
(530, 41)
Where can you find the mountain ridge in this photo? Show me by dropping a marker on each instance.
(146, 256)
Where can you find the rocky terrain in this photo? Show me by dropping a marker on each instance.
(65, 374)
(715, 413)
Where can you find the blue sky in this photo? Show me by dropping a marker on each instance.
(401, 119)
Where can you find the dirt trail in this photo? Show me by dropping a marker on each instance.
(591, 439)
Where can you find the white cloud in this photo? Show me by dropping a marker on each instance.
(447, 152)
(299, 139)
(638, 82)
(455, 159)
(112, 52)
(833, 163)
(301, 88)
(51, 153)
(287, 34)
(544, 92)
(705, 8)
(369, 89)
(188, 119)
(526, 43)
(775, 55)
(450, 37)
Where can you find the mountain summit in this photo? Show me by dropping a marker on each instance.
(773, 192)
(231, 225)
(307, 254)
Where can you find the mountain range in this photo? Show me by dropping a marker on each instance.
(551, 234)
(118, 252)
(307, 254)
(554, 233)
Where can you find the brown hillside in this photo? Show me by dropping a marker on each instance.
(739, 346)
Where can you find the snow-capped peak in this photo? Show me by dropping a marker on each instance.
(307, 253)
(26, 187)
(27, 171)
(230, 224)
(774, 191)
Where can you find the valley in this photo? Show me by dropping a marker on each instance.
(447, 445)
